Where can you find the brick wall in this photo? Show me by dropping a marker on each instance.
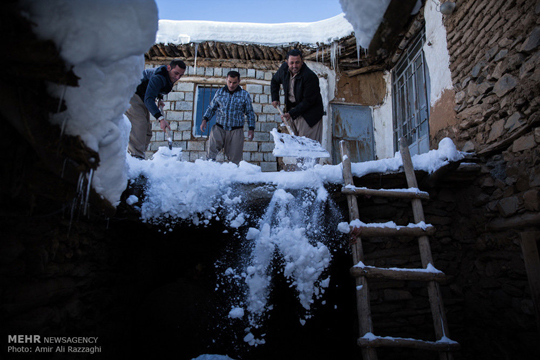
(180, 108)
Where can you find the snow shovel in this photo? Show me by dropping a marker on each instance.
(169, 138)
(292, 131)
(292, 145)
(170, 153)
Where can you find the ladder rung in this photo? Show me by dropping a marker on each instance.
(378, 341)
(410, 193)
(375, 229)
(429, 274)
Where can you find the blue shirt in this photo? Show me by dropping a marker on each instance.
(231, 109)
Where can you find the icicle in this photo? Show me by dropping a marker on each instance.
(333, 50)
(63, 168)
(357, 53)
(317, 55)
(80, 182)
(195, 61)
(58, 110)
(89, 177)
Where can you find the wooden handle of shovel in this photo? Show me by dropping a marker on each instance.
(289, 127)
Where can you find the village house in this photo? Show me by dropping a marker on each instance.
(465, 70)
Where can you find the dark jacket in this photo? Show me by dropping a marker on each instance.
(306, 91)
(154, 84)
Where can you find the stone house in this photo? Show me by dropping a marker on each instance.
(487, 225)
(486, 211)
(471, 75)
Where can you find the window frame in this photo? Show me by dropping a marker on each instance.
(201, 106)
(410, 97)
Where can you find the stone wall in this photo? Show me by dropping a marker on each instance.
(180, 108)
(495, 65)
(494, 59)
(486, 296)
(482, 221)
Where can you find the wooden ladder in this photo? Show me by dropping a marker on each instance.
(367, 340)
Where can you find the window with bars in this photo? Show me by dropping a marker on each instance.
(410, 90)
(205, 94)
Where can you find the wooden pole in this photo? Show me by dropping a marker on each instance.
(532, 265)
(435, 298)
(363, 306)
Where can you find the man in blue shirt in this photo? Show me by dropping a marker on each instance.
(154, 84)
(231, 103)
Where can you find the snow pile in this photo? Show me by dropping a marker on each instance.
(365, 17)
(185, 191)
(322, 32)
(430, 161)
(104, 41)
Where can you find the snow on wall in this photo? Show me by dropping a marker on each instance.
(436, 51)
(438, 63)
(383, 123)
(323, 32)
(327, 82)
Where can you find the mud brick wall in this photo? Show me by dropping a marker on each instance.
(180, 107)
(495, 66)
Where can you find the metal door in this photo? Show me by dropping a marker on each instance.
(354, 124)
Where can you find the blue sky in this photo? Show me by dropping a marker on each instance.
(258, 11)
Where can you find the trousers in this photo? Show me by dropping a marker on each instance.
(141, 127)
(231, 141)
(303, 129)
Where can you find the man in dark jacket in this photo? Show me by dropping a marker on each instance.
(154, 84)
(303, 100)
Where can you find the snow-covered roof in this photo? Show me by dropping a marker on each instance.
(321, 32)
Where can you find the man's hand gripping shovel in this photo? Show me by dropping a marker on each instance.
(166, 129)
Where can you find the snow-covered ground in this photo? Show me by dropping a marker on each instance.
(104, 41)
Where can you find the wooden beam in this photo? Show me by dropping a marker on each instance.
(392, 193)
(365, 70)
(516, 222)
(401, 274)
(408, 343)
(395, 18)
(529, 248)
(504, 143)
(373, 230)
